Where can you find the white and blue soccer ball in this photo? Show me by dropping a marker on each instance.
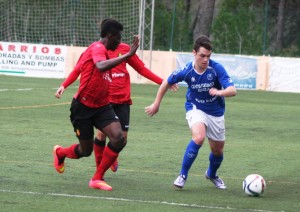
(254, 185)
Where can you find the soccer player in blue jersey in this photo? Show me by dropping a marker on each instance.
(208, 84)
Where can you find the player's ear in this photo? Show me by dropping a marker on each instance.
(194, 52)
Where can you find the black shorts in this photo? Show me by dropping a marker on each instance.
(84, 119)
(123, 112)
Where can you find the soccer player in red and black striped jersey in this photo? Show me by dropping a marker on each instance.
(91, 105)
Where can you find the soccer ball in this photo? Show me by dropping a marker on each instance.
(254, 185)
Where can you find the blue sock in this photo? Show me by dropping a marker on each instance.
(190, 155)
(215, 163)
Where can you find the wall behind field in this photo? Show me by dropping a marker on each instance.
(248, 72)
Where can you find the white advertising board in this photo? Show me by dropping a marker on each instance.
(284, 75)
(32, 60)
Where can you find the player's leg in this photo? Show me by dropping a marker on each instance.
(215, 157)
(75, 151)
(216, 139)
(215, 161)
(84, 132)
(114, 147)
(198, 129)
(123, 112)
(110, 154)
(108, 122)
(99, 145)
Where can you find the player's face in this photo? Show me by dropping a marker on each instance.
(114, 41)
(202, 57)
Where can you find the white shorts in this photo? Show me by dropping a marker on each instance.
(215, 125)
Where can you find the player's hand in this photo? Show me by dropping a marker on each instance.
(214, 92)
(135, 45)
(152, 109)
(174, 87)
(59, 92)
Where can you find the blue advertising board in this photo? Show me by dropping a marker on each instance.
(242, 70)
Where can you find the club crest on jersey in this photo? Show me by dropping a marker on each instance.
(193, 79)
(77, 132)
(209, 76)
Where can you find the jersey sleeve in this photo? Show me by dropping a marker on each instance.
(150, 75)
(72, 76)
(140, 67)
(178, 75)
(224, 78)
(99, 53)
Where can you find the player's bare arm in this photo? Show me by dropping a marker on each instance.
(109, 64)
(228, 92)
(154, 107)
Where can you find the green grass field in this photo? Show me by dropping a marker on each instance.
(262, 137)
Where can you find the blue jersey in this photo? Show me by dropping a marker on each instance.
(197, 95)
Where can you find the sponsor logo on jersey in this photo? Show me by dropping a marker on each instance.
(177, 71)
(117, 75)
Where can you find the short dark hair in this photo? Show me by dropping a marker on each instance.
(202, 41)
(111, 26)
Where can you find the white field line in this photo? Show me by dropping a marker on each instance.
(137, 201)
(17, 89)
(34, 106)
(30, 89)
(30, 106)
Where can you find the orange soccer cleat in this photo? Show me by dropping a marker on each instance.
(114, 166)
(100, 184)
(58, 165)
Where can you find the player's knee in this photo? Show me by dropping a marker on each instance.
(217, 152)
(82, 152)
(116, 137)
(86, 153)
(217, 148)
(199, 139)
(120, 144)
(117, 145)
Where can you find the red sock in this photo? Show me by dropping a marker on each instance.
(68, 152)
(108, 158)
(98, 152)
